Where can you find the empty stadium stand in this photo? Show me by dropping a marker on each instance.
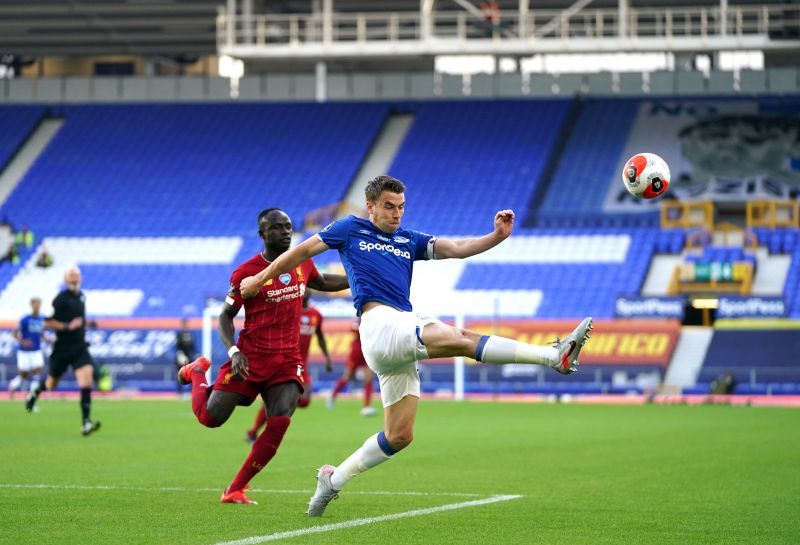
(463, 161)
(16, 123)
(172, 170)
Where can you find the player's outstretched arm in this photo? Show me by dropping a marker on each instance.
(330, 282)
(465, 247)
(285, 262)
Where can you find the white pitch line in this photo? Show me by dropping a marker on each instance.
(264, 490)
(371, 520)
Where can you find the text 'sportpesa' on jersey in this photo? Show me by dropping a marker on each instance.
(378, 265)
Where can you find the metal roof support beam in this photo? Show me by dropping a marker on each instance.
(467, 5)
(524, 7)
(230, 17)
(247, 19)
(622, 18)
(327, 21)
(723, 17)
(425, 10)
(555, 22)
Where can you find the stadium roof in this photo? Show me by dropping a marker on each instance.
(188, 27)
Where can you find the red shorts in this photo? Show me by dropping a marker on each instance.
(264, 372)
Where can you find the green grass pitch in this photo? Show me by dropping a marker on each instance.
(587, 474)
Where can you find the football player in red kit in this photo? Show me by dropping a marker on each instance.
(310, 326)
(356, 364)
(266, 360)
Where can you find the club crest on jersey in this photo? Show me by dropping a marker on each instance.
(285, 278)
(400, 240)
(299, 271)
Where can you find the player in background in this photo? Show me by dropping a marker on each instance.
(30, 359)
(310, 326)
(185, 349)
(378, 257)
(355, 364)
(266, 360)
(70, 349)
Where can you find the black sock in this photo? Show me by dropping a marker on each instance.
(86, 402)
(40, 388)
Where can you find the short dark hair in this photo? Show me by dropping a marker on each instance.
(379, 184)
(264, 213)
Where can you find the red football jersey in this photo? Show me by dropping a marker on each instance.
(271, 318)
(310, 323)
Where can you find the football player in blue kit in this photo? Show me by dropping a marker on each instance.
(30, 359)
(378, 257)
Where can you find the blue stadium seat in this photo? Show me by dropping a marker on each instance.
(475, 158)
(192, 169)
(16, 124)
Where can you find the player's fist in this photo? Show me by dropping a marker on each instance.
(239, 365)
(249, 287)
(504, 223)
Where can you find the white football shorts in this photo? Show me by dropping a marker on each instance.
(391, 340)
(28, 360)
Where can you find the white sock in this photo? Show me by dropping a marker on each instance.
(13, 386)
(501, 350)
(372, 453)
(35, 384)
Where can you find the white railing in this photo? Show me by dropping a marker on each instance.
(528, 30)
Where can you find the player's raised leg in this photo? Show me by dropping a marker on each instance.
(211, 407)
(445, 341)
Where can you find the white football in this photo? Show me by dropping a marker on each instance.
(646, 176)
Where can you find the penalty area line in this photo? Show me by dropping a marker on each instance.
(365, 521)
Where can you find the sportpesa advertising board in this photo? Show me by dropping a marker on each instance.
(148, 353)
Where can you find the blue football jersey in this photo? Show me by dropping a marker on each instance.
(31, 327)
(378, 265)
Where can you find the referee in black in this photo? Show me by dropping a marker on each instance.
(70, 348)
